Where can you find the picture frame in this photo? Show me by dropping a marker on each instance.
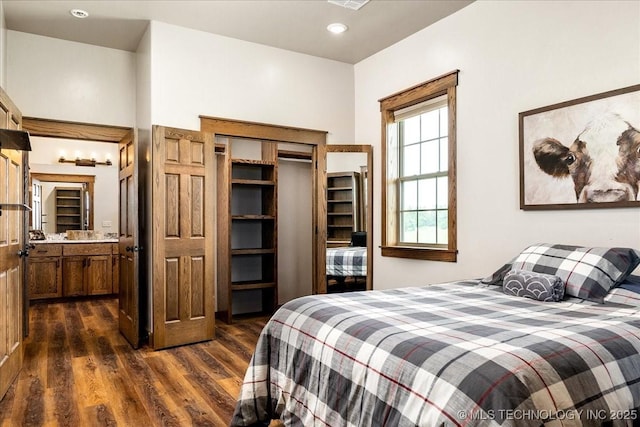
(583, 153)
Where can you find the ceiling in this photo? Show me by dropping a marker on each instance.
(295, 25)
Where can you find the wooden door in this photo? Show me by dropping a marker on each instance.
(129, 241)
(13, 226)
(183, 236)
(36, 204)
(11, 290)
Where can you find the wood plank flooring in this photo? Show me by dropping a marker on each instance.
(79, 371)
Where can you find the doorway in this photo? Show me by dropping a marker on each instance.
(90, 133)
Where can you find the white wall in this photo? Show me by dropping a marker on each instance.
(58, 79)
(512, 57)
(196, 73)
(3, 48)
(44, 159)
(295, 252)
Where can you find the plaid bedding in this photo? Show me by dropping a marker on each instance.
(457, 354)
(347, 261)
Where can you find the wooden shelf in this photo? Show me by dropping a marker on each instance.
(252, 182)
(343, 209)
(250, 285)
(247, 281)
(253, 162)
(252, 217)
(252, 251)
(69, 208)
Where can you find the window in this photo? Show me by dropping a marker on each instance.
(419, 180)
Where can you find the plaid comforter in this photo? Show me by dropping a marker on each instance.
(458, 354)
(347, 261)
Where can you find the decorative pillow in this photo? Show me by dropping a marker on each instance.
(588, 273)
(539, 286)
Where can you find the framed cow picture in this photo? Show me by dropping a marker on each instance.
(583, 153)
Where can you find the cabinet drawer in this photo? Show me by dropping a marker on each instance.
(46, 249)
(87, 249)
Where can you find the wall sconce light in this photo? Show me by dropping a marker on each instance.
(85, 162)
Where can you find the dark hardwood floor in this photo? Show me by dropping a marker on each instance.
(79, 371)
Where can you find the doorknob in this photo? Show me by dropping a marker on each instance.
(24, 252)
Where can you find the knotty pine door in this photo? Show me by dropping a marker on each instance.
(183, 236)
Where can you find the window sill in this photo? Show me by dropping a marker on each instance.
(445, 255)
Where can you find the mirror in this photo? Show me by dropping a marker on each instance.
(72, 194)
(61, 202)
(349, 218)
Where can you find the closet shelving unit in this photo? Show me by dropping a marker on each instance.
(249, 286)
(68, 208)
(343, 214)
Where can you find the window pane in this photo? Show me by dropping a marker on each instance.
(427, 227)
(444, 154)
(430, 125)
(443, 192)
(408, 227)
(427, 194)
(409, 196)
(443, 227)
(411, 160)
(430, 157)
(444, 122)
(411, 128)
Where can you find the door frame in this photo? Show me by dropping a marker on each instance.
(78, 131)
(368, 150)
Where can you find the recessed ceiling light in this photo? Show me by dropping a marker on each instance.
(337, 28)
(79, 13)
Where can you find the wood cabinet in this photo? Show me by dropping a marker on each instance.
(250, 285)
(45, 271)
(343, 207)
(72, 269)
(115, 269)
(69, 207)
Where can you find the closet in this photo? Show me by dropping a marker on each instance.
(251, 240)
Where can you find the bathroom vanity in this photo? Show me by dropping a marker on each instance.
(72, 268)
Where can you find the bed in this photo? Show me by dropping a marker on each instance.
(347, 261)
(465, 353)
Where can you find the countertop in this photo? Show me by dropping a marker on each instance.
(40, 242)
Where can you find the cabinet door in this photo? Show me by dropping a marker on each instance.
(99, 275)
(73, 282)
(44, 277)
(115, 274)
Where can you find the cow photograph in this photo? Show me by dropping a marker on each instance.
(583, 153)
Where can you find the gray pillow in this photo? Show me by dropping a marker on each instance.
(588, 273)
(538, 286)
